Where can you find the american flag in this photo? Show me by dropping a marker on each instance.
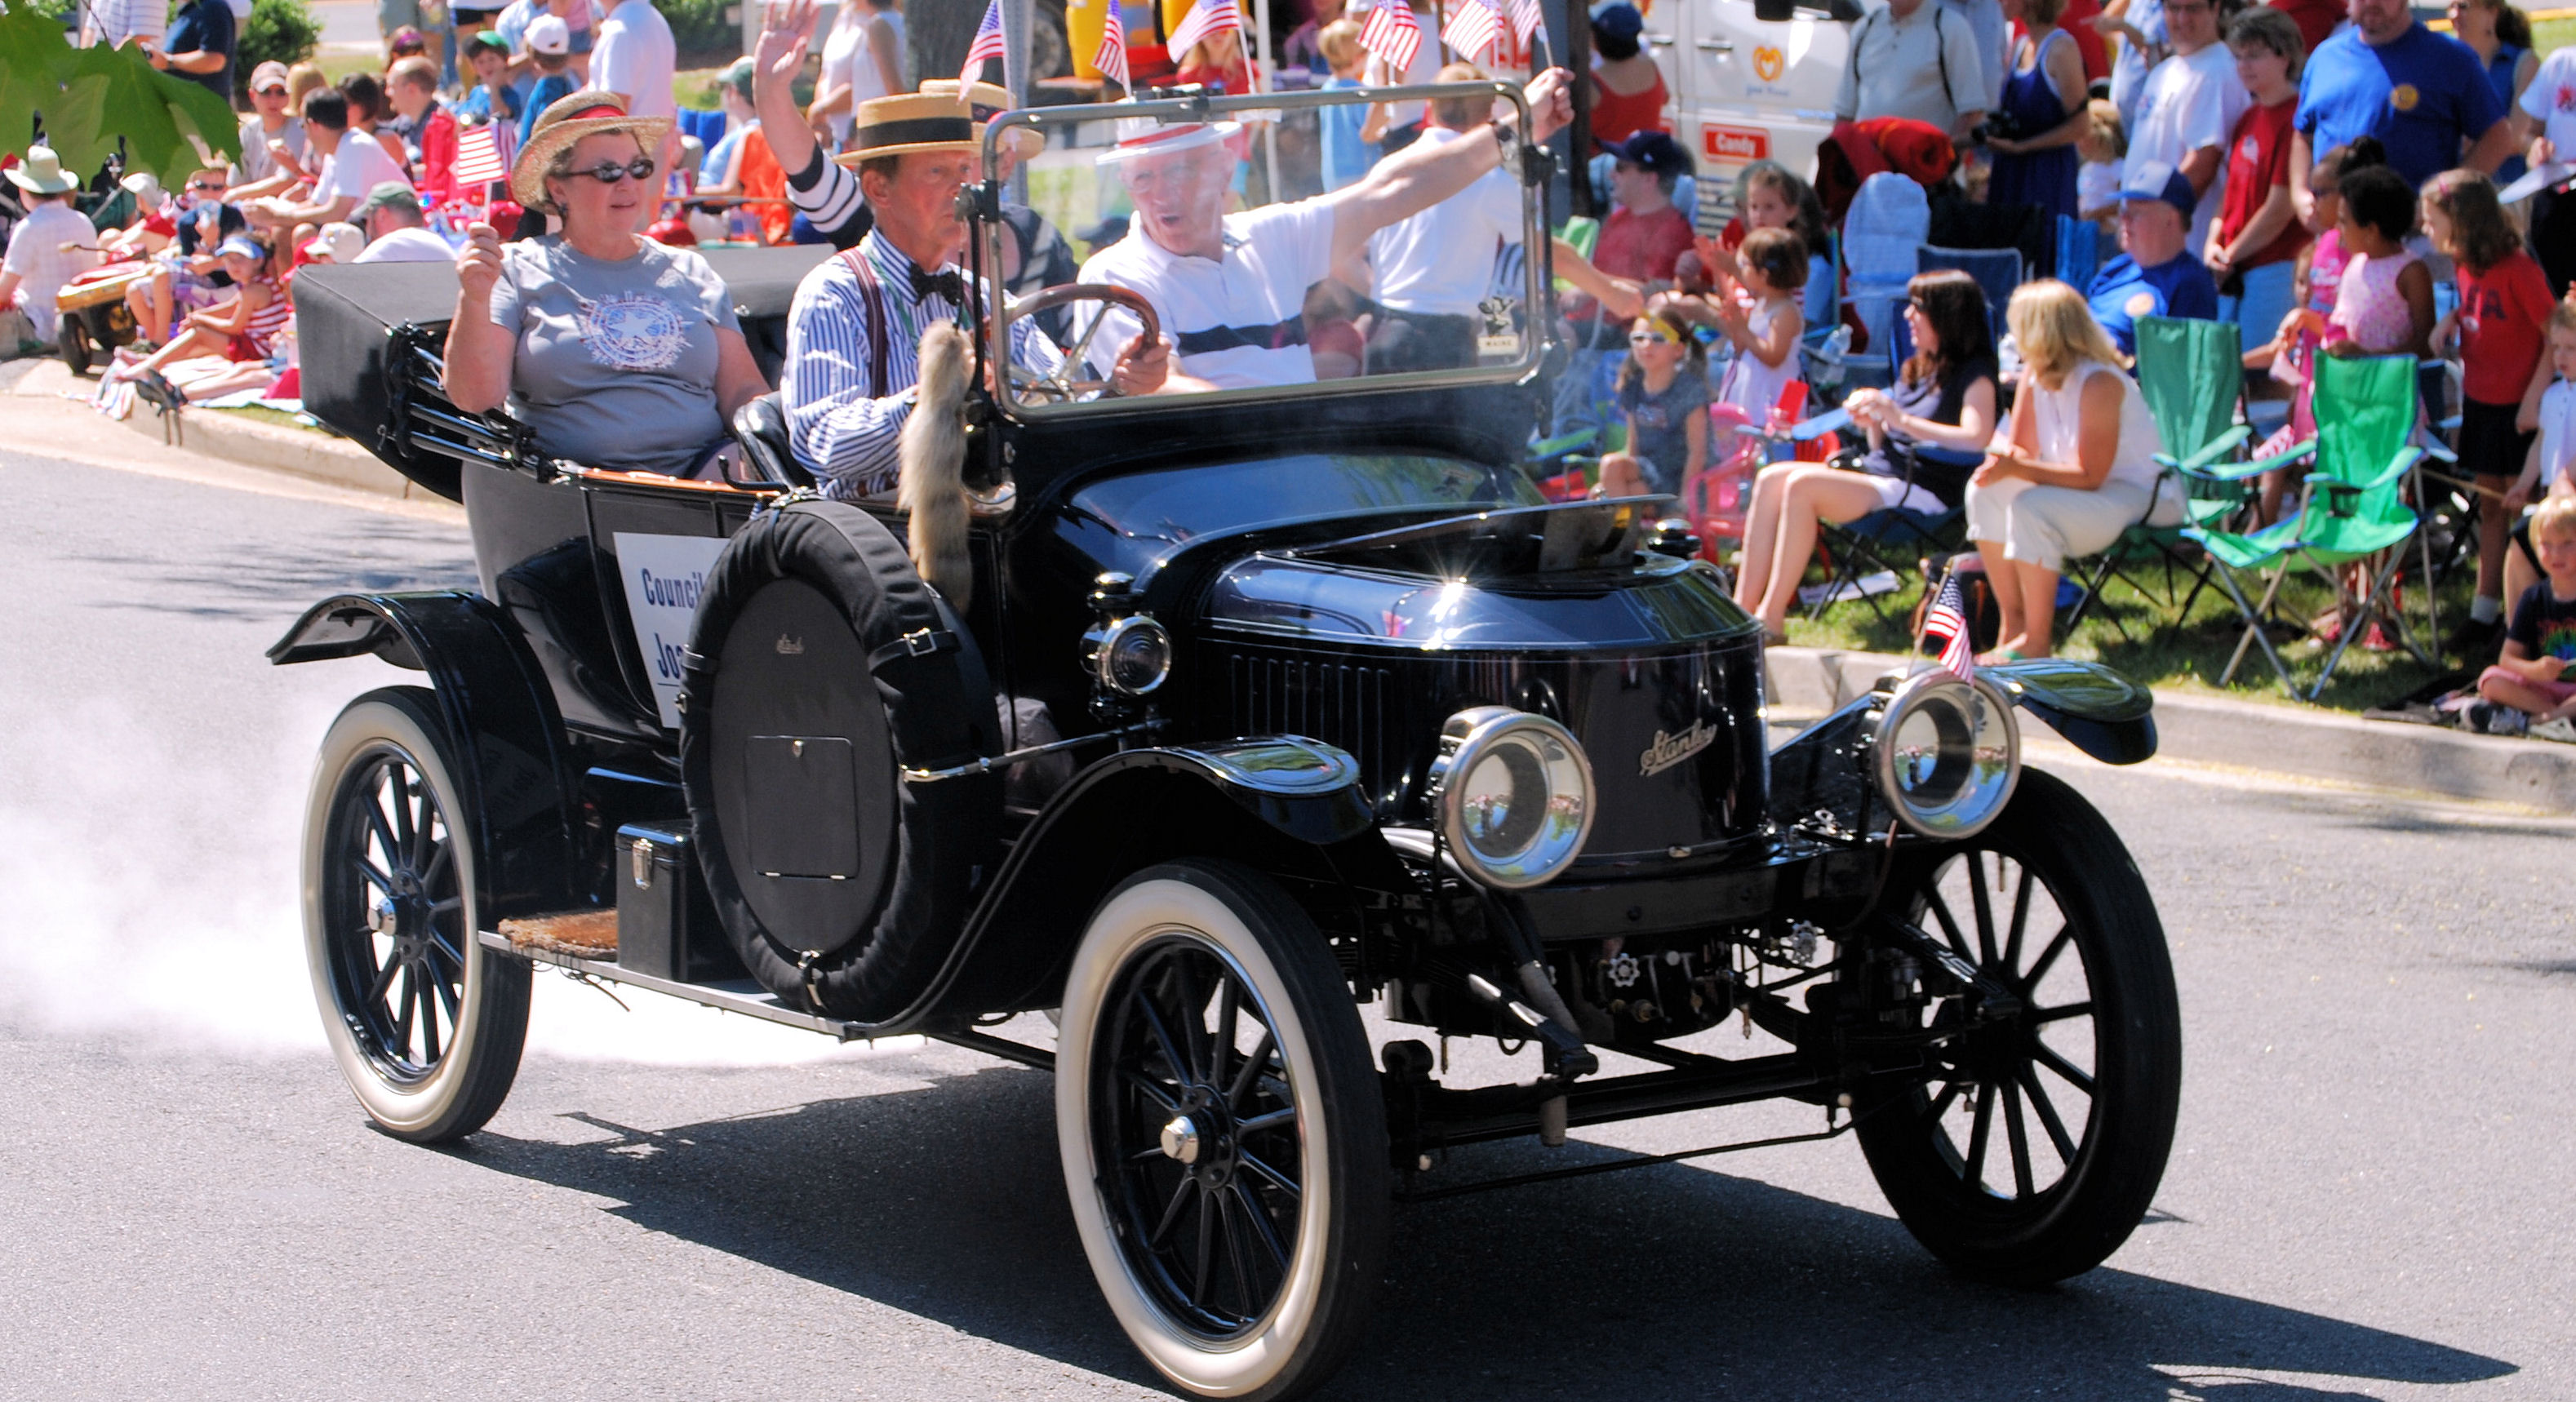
(1111, 60)
(1392, 34)
(478, 157)
(987, 45)
(1947, 620)
(1471, 30)
(1526, 20)
(1205, 18)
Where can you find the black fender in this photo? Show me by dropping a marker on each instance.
(2097, 710)
(510, 754)
(1289, 807)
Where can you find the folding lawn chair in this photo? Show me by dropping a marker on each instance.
(2350, 511)
(2079, 251)
(1997, 271)
(2191, 375)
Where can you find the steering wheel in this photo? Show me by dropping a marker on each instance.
(1060, 387)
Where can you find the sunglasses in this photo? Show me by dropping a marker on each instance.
(1648, 338)
(210, 186)
(610, 172)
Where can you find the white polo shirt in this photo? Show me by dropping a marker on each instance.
(1925, 67)
(1239, 322)
(356, 169)
(1441, 262)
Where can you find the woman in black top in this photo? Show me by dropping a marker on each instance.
(1944, 399)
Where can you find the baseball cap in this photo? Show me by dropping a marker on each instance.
(2156, 180)
(341, 243)
(1653, 151)
(269, 74)
(390, 194)
(737, 76)
(1618, 19)
(487, 39)
(243, 246)
(548, 34)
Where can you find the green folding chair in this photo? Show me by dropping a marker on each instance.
(2352, 510)
(2191, 373)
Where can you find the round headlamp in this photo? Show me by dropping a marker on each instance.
(1513, 793)
(1133, 656)
(1946, 754)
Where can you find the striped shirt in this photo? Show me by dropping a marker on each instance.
(840, 433)
(829, 200)
(260, 332)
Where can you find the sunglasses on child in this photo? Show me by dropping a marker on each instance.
(610, 172)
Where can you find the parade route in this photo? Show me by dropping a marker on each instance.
(2369, 1196)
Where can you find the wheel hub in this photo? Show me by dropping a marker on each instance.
(1202, 1137)
(1181, 1140)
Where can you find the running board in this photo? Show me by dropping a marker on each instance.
(751, 1000)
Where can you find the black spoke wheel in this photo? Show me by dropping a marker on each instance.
(1223, 1137)
(426, 1024)
(2035, 1145)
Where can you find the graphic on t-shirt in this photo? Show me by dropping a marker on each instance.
(2402, 97)
(633, 331)
(2559, 642)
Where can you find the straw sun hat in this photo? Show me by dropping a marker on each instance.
(568, 120)
(42, 173)
(906, 123)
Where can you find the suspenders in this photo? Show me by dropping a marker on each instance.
(875, 294)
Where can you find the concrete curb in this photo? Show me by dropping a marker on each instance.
(2313, 744)
(238, 438)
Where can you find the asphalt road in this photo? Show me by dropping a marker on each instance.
(2370, 1197)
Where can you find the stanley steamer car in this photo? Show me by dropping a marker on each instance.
(1235, 715)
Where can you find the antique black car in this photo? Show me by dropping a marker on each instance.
(1260, 711)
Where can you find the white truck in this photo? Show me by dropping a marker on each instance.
(1750, 80)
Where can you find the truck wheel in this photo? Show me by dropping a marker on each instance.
(425, 1022)
(1223, 1135)
(2036, 1145)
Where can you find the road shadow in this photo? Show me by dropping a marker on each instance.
(258, 580)
(1670, 1282)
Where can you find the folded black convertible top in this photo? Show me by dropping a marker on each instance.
(344, 315)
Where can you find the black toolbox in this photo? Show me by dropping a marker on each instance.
(666, 926)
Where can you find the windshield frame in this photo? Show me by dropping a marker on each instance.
(987, 231)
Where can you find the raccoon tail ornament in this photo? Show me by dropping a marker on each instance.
(930, 486)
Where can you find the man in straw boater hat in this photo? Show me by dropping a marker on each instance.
(857, 331)
(1230, 289)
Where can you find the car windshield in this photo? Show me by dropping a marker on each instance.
(1267, 242)
(1146, 514)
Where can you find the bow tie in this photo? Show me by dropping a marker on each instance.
(947, 285)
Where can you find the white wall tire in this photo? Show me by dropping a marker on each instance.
(425, 1023)
(1277, 1319)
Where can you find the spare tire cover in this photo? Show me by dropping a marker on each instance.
(822, 667)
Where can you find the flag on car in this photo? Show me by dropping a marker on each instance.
(1471, 29)
(987, 45)
(1205, 18)
(1392, 34)
(478, 157)
(1947, 620)
(1111, 60)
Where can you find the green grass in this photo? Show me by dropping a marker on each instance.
(2550, 35)
(2188, 655)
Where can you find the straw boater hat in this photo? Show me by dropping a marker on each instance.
(987, 101)
(43, 173)
(910, 122)
(566, 121)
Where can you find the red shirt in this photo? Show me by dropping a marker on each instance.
(2258, 162)
(2504, 316)
(2316, 19)
(1638, 246)
(2077, 20)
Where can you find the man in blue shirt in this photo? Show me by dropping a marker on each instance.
(2155, 275)
(2424, 95)
(199, 46)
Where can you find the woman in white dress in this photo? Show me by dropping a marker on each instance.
(2074, 467)
(862, 59)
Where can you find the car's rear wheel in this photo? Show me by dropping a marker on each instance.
(1223, 1135)
(426, 1023)
(2035, 1147)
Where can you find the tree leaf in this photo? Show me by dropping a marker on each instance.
(91, 97)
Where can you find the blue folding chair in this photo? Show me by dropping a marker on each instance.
(2079, 251)
(1997, 271)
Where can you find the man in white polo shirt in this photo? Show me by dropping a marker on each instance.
(1230, 289)
(1917, 59)
(1434, 269)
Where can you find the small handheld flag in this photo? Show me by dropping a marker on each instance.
(1392, 34)
(987, 44)
(1111, 60)
(478, 157)
(1472, 29)
(1947, 620)
(1205, 18)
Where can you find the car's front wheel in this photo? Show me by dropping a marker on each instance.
(1223, 1135)
(2036, 1145)
(426, 1023)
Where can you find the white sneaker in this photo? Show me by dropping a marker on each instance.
(2561, 730)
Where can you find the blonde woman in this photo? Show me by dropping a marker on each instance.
(2074, 467)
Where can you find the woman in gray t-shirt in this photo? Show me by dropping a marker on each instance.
(616, 351)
